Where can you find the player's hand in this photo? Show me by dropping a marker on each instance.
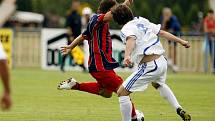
(186, 44)
(127, 61)
(6, 101)
(65, 50)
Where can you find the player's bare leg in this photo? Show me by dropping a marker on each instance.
(4, 73)
(167, 94)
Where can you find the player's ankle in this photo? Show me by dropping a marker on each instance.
(76, 87)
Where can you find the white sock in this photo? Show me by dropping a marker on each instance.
(125, 107)
(167, 93)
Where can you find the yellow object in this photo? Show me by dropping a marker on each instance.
(78, 55)
(6, 37)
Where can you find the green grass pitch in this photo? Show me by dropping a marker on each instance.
(35, 98)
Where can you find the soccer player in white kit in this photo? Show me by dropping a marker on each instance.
(143, 47)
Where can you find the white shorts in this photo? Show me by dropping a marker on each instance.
(3, 55)
(154, 71)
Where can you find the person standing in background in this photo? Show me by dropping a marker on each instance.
(6, 9)
(171, 24)
(73, 25)
(87, 13)
(209, 29)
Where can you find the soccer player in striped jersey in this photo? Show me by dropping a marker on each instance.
(101, 63)
(143, 47)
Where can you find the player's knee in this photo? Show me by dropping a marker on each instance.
(155, 85)
(105, 93)
(122, 92)
(119, 93)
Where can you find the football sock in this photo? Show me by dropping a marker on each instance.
(167, 93)
(90, 87)
(125, 107)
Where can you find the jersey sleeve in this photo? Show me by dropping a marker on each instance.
(127, 31)
(100, 17)
(155, 28)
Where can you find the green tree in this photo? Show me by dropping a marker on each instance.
(24, 5)
(185, 10)
(177, 11)
(192, 15)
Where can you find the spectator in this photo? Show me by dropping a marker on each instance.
(73, 25)
(209, 29)
(73, 20)
(86, 15)
(171, 24)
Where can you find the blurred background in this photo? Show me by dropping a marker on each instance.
(32, 37)
(33, 19)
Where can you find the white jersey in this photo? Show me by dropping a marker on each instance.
(147, 40)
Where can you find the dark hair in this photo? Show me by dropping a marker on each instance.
(106, 5)
(122, 14)
(211, 11)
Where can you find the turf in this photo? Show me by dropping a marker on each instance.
(35, 98)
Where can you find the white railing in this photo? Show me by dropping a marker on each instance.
(188, 59)
(26, 48)
(27, 52)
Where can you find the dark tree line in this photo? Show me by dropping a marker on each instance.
(186, 10)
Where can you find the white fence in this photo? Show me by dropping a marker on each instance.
(27, 51)
(191, 59)
(26, 48)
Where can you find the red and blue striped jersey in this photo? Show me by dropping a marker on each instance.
(100, 45)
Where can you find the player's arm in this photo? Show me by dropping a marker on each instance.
(66, 49)
(108, 16)
(130, 45)
(172, 37)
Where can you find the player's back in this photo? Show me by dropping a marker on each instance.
(147, 40)
(100, 45)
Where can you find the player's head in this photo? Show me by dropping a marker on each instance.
(106, 5)
(167, 12)
(75, 4)
(211, 13)
(122, 14)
